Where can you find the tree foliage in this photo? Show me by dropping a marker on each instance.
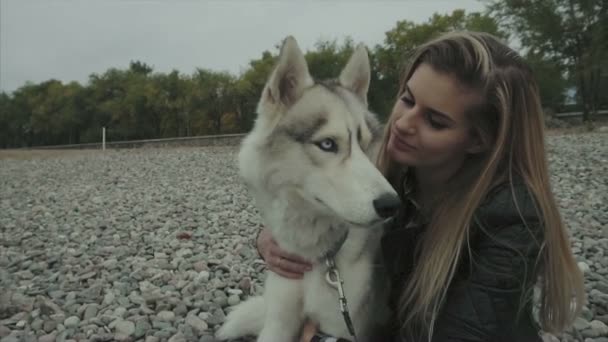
(572, 35)
(139, 103)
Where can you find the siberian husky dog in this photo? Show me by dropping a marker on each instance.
(306, 163)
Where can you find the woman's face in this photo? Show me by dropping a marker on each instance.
(430, 131)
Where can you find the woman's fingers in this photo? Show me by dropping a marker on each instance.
(285, 264)
(291, 261)
(296, 259)
(285, 274)
(308, 332)
(289, 266)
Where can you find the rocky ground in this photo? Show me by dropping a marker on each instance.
(156, 244)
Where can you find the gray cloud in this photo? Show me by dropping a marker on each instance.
(69, 40)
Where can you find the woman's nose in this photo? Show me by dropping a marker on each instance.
(406, 123)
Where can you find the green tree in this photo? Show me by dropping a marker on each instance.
(574, 32)
(249, 88)
(328, 58)
(10, 132)
(212, 98)
(108, 91)
(170, 104)
(550, 78)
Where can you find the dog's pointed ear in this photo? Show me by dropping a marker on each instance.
(289, 78)
(356, 74)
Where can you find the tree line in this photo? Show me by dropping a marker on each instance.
(565, 42)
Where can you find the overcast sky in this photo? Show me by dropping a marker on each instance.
(69, 40)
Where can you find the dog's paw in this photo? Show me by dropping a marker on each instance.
(224, 333)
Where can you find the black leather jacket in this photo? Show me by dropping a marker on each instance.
(483, 300)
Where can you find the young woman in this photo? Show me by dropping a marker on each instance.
(464, 147)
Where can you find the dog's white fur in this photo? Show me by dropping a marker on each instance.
(309, 198)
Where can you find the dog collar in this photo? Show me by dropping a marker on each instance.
(331, 253)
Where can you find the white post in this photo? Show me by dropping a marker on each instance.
(103, 138)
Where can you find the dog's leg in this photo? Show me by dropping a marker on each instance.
(284, 315)
(246, 318)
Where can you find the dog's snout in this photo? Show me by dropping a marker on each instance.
(387, 205)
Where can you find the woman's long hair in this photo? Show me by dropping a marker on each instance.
(510, 124)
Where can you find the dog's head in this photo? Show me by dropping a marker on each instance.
(317, 138)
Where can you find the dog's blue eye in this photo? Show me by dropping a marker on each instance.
(328, 145)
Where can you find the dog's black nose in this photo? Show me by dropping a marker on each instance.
(387, 205)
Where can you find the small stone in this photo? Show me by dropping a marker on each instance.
(120, 312)
(178, 337)
(49, 326)
(584, 267)
(217, 317)
(596, 329)
(71, 322)
(108, 299)
(233, 300)
(118, 337)
(63, 335)
(207, 338)
(125, 327)
(142, 327)
(110, 263)
(161, 325)
(549, 338)
(88, 275)
(11, 338)
(37, 324)
(180, 309)
(202, 277)
(47, 306)
(586, 313)
(152, 339)
(4, 331)
(245, 285)
(580, 324)
(91, 311)
(199, 266)
(197, 324)
(56, 294)
(602, 286)
(184, 253)
(166, 333)
(235, 292)
(221, 301)
(103, 337)
(166, 316)
(47, 338)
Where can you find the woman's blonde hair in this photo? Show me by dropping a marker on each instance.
(510, 124)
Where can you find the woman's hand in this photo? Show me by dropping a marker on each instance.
(278, 261)
(308, 331)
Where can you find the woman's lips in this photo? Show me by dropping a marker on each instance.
(400, 143)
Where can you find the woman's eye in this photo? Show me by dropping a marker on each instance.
(434, 123)
(328, 145)
(408, 102)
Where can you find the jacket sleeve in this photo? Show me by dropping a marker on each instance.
(484, 305)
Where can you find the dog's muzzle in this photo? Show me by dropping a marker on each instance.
(387, 205)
